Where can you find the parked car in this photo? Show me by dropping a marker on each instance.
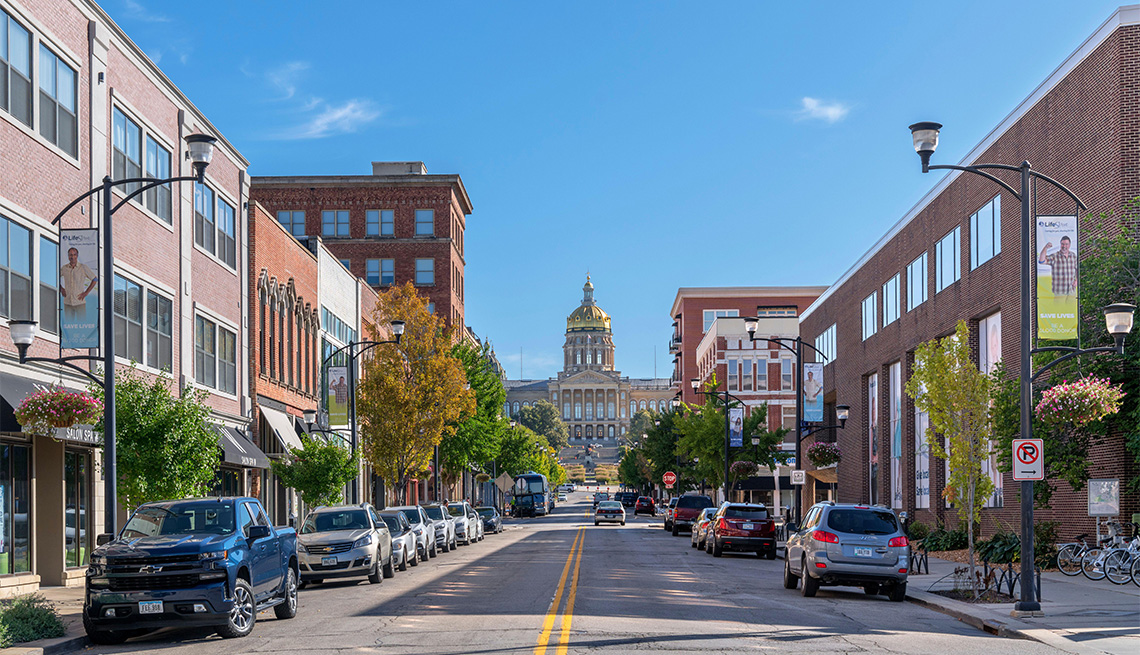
(492, 520)
(464, 533)
(852, 545)
(645, 505)
(686, 511)
(187, 562)
(741, 527)
(444, 526)
(475, 523)
(344, 541)
(669, 514)
(423, 527)
(701, 527)
(609, 511)
(403, 539)
(626, 498)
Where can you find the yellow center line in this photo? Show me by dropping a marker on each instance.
(568, 613)
(552, 613)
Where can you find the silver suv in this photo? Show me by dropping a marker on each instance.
(344, 541)
(850, 545)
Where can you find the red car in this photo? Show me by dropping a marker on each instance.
(645, 505)
(741, 527)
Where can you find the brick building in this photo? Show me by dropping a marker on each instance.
(82, 101)
(397, 225)
(954, 256)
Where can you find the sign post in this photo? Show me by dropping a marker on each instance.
(1028, 459)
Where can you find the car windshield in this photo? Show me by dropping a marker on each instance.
(331, 521)
(456, 510)
(750, 513)
(487, 512)
(862, 521)
(392, 522)
(645, 499)
(694, 502)
(435, 512)
(181, 518)
(672, 502)
(609, 504)
(413, 515)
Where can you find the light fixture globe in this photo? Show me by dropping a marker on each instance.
(1118, 318)
(695, 383)
(675, 403)
(925, 137)
(397, 327)
(841, 413)
(310, 416)
(200, 148)
(23, 333)
(755, 441)
(750, 323)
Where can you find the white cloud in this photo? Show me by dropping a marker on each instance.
(815, 109)
(137, 11)
(284, 78)
(332, 120)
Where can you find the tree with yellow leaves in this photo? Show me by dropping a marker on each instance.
(412, 394)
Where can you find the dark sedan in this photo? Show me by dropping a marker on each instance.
(492, 520)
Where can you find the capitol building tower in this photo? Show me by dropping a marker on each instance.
(593, 398)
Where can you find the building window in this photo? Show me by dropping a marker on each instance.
(745, 375)
(158, 199)
(334, 223)
(873, 437)
(733, 376)
(589, 411)
(204, 217)
(788, 417)
(916, 282)
(425, 272)
(431, 307)
(894, 420)
(293, 221)
(989, 354)
(227, 234)
(15, 70)
(566, 411)
(227, 361)
(49, 285)
(58, 122)
(770, 312)
(372, 271)
(711, 315)
(205, 352)
(825, 343)
(947, 260)
(387, 272)
(870, 316)
(762, 375)
(891, 300)
(610, 410)
(380, 223)
(128, 319)
(425, 222)
(15, 504)
(921, 460)
(347, 264)
(985, 233)
(577, 411)
(159, 323)
(787, 380)
(126, 144)
(78, 519)
(632, 408)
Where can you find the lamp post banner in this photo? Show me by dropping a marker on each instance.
(1057, 282)
(338, 395)
(79, 288)
(735, 427)
(813, 388)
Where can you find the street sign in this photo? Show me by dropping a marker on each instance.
(1028, 459)
(504, 482)
(798, 477)
(670, 478)
(668, 486)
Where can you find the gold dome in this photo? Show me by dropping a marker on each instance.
(588, 316)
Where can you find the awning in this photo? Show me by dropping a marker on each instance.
(762, 483)
(237, 449)
(282, 426)
(828, 475)
(13, 390)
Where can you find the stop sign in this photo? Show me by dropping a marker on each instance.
(669, 478)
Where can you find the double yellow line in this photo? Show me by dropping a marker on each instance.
(575, 558)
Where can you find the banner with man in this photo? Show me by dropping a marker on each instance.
(338, 396)
(1057, 277)
(79, 288)
(736, 427)
(813, 392)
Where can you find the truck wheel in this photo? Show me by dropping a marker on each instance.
(102, 637)
(243, 614)
(389, 567)
(288, 609)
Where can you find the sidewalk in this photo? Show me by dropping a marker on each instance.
(68, 601)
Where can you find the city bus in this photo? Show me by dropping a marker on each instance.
(535, 485)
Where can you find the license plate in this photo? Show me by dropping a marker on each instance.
(749, 526)
(328, 561)
(150, 607)
(862, 552)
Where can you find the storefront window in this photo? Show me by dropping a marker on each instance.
(77, 520)
(229, 483)
(15, 509)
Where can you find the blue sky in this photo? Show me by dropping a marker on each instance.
(655, 144)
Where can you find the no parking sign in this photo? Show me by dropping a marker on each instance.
(1028, 459)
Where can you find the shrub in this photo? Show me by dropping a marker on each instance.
(1005, 547)
(917, 530)
(943, 539)
(28, 618)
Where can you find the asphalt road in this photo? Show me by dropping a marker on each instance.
(614, 589)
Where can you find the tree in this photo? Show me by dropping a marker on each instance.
(949, 386)
(318, 471)
(475, 440)
(633, 469)
(519, 451)
(166, 448)
(543, 419)
(642, 423)
(413, 394)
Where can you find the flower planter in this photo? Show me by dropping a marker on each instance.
(45, 411)
(1079, 403)
(824, 455)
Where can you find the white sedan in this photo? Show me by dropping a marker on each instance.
(610, 511)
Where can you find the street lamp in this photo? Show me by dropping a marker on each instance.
(200, 150)
(353, 353)
(1118, 319)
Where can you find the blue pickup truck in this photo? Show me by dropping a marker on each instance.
(199, 561)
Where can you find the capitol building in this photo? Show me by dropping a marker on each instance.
(596, 402)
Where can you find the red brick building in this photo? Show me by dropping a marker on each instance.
(955, 256)
(397, 225)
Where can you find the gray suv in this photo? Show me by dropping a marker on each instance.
(849, 545)
(344, 541)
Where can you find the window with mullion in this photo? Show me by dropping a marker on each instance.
(204, 217)
(127, 143)
(58, 122)
(227, 361)
(916, 282)
(205, 352)
(158, 199)
(15, 270)
(128, 319)
(227, 234)
(49, 286)
(870, 316)
(891, 300)
(985, 233)
(159, 331)
(372, 271)
(947, 260)
(334, 223)
(425, 222)
(15, 69)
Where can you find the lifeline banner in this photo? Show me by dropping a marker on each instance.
(1057, 277)
(813, 396)
(79, 288)
(736, 427)
(338, 395)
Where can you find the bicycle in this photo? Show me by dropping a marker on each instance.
(1136, 571)
(1118, 563)
(1093, 561)
(1069, 556)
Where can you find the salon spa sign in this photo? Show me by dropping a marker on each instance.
(84, 434)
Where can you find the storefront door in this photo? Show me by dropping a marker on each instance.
(78, 513)
(15, 509)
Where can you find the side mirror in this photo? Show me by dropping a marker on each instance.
(258, 532)
(104, 538)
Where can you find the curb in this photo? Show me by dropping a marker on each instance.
(48, 646)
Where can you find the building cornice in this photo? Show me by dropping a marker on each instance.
(331, 181)
(742, 292)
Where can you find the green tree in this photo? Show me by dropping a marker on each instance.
(318, 471)
(543, 419)
(633, 469)
(521, 451)
(476, 439)
(166, 448)
(949, 386)
(642, 423)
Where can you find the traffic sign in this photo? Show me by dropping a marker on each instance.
(798, 477)
(670, 478)
(504, 482)
(668, 486)
(1028, 459)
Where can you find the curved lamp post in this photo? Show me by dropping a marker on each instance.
(1118, 318)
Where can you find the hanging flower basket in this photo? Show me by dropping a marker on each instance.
(1079, 403)
(482, 477)
(43, 411)
(743, 469)
(823, 454)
